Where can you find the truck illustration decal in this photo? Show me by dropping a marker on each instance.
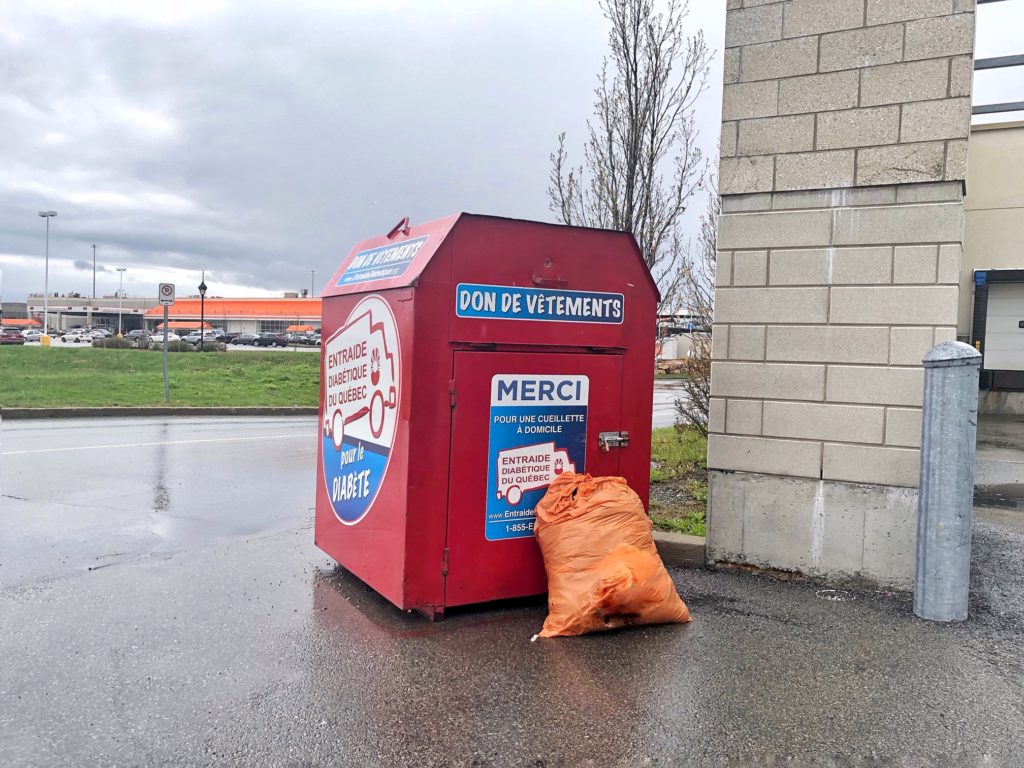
(359, 413)
(537, 430)
(528, 468)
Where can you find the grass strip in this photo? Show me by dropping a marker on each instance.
(36, 377)
(679, 485)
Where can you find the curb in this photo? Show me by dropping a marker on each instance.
(154, 410)
(680, 550)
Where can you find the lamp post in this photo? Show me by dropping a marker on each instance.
(202, 310)
(46, 278)
(120, 300)
(92, 296)
(312, 281)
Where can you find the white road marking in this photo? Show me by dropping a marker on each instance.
(307, 435)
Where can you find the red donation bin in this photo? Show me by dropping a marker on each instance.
(466, 362)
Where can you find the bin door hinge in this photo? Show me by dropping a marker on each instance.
(451, 392)
(444, 562)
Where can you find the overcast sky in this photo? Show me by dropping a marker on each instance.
(259, 141)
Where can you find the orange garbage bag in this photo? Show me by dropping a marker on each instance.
(604, 571)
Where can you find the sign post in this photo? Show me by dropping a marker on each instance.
(166, 294)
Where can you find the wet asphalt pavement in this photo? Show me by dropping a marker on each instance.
(211, 631)
(666, 392)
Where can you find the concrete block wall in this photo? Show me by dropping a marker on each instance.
(844, 136)
(845, 93)
(820, 330)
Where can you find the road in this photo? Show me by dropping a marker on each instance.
(666, 392)
(91, 493)
(163, 603)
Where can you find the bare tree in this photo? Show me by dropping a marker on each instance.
(697, 292)
(641, 157)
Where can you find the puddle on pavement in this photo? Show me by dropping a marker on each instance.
(1009, 496)
(835, 595)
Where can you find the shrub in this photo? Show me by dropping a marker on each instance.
(157, 345)
(112, 343)
(184, 346)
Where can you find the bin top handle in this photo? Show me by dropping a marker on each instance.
(402, 226)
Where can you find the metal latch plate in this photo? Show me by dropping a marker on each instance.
(609, 440)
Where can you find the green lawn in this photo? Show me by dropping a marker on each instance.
(38, 377)
(679, 485)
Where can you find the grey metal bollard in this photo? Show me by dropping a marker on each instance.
(945, 502)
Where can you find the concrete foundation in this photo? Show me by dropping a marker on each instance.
(816, 527)
(1001, 403)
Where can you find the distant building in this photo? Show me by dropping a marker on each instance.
(13, 309)
(991, 306)
(240, 315)
(70, 310)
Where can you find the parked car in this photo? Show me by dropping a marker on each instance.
(102, 333)
(194, 338)
(158, 337)
(11, 337)
(137, 333)
(31, 334)
(77, 336)
(270, 340)
(244, 338)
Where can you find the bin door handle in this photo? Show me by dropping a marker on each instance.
(550, 282)
(609, 440)
(402, 226)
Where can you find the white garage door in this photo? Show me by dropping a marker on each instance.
(1004, 327)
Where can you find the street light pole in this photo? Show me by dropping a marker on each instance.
(202, 310)
(120, 300)
(46, 278)
(312, 282)
(92, 296)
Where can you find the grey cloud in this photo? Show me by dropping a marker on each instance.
(261, 142)
(87, 265)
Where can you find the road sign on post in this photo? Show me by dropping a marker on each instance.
(167, 383)
(166, 294)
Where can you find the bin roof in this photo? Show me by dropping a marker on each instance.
(397, 259)
(394, 260)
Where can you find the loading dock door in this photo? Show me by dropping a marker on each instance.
(1004, 327)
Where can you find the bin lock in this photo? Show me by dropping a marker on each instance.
(609, 440)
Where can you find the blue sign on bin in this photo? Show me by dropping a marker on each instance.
(381, 263)
(510, 302)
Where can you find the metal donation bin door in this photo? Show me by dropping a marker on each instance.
(520, 420)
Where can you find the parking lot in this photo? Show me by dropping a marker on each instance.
(163, 603)
(230, 347)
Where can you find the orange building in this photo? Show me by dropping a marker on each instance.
(239, 315)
